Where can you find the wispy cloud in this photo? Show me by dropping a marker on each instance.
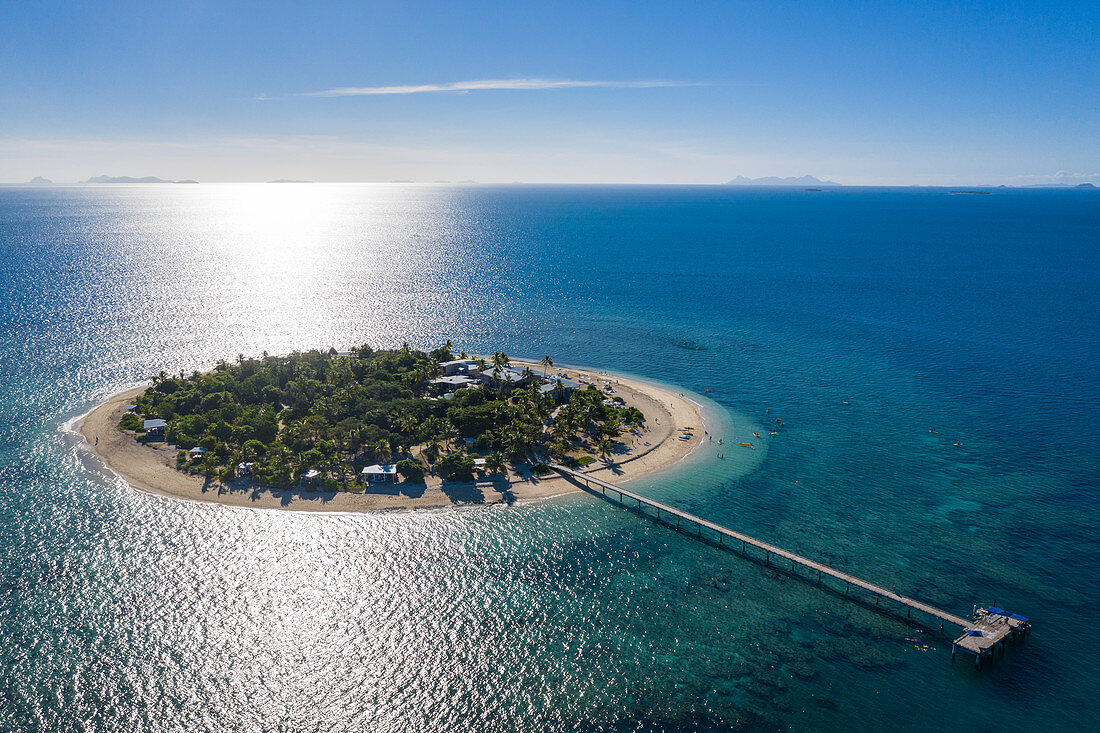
(494, 84)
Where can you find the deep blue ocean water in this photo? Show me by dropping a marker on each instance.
(863, 318)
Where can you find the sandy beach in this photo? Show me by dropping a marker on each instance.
(648, 449)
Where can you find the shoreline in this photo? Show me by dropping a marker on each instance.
(152, 469)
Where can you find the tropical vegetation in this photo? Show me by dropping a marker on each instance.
(283, 416)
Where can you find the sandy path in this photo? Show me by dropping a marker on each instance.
(152, 469)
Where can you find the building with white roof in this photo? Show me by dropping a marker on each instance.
(458, 366)
(560, 388)
(506, 374)
(451, 383)
(380, 473)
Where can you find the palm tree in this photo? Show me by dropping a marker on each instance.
(547, 362)
(449, 432)
(431, 450)
(495, 463)
(559, 446)
(406, 424)
(500, 360)
(382, 450)
(603, 447)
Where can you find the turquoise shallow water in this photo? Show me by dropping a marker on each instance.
(862, 318)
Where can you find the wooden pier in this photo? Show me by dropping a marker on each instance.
(980, 636)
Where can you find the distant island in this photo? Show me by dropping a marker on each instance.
(1083, 186)
(129, 179)
(773, 181)
(374, 429)
(39, 181)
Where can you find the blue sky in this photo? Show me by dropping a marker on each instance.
(875, 93)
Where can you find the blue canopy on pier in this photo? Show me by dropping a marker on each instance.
(994, 609)
(974, 632)
(1017, 617)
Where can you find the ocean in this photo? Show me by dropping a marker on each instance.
(882, 326)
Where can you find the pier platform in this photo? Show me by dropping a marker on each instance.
(991, 629)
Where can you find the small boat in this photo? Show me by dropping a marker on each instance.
(706, 390)
(755, 434)
(747, 445)
(774, 432)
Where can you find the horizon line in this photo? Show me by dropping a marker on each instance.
(724, 184)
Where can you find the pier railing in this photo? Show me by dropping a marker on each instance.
(989, 631)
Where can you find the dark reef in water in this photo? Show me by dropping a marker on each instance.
(691, 346)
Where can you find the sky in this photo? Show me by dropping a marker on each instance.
(875, 93)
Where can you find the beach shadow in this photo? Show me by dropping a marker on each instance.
(503, 486)
(412, 490)
(209, 484)
(463, 492)
(609, 465)
(382, 489)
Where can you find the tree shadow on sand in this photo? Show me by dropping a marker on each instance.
(463, 492)
(412, 489)
(254, 492)
(501, 485)
(609, 464)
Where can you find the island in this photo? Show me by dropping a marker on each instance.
(131, 179)
(773, 181)
(394, 429)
